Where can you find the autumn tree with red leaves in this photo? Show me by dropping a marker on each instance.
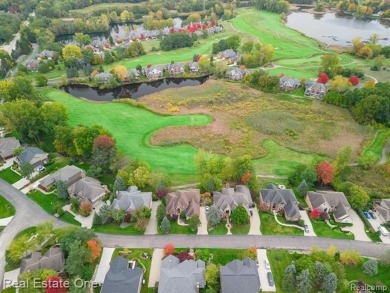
(354, 80)
(325, 172)
(169, 249)
(184, 255)
(95, 248)
(323, 78)
(103, 152)
(55, 285)
(315, 214)
(246, 177)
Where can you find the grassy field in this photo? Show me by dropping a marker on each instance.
(6, 209)
(377, 145)
(101, 6)
(132, 128)
(10, 176)
(115, 229)
(323, 230)
(270, 227)
(356, 273)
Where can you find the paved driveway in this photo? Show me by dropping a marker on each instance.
(104, 265)
(151, 229)
(375, 223)
(202, 229)
(305, 217)
(261, 257)
(255, 223)
(357, 228)
(154, 276)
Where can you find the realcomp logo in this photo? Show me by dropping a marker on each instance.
(359, 286)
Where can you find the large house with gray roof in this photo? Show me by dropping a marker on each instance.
(315, 89)
(175, 69)
(103, 77)
(383, 209)
(289, 83)
(33, 156)
(8, 145)
(122, 278)
(183, 200)
(68, 174)
(228, 199)
(330, 202)
(240, 276)
(153, 72)
(281, 201)
(53, 259)
(185, 277)
(88, 189)
(235, 73)
(132, 199)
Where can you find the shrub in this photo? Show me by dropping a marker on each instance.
(370, 267)
(160, 213)
(169, 249)
(315, 214)
(165, 225)
(85, 209)
(184, 255)
(240, 216)
(350, 257)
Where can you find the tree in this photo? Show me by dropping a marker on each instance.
(357, 197)
(309, 174)
(79, 256)
(84, 137)
(354, 80)
(136, 173)
(71, 52)
(43, 67)
(95, 248)
(184, 255)
(329, 64)
(213, 216)
(370, 267)
(365, 52)
(165, 225)
(357, 44)
(26, 169)
(19, 247)
(319, 274)
(160, 213)
(233, 42)
(288, 283)
(247, 46)
(315, 214)
(212, 275)
(62, 189)
(325, 172)
(329, 284)
(82, 39)
(53, 114)
(323, 78)
(118, 216)
(104, 214)
(350, 257)
(120, 71)
(332, 250)
(85, 208)
(193, 17)
(31, 279)
(303, 188)
(303, 281)
(119, 184)
(169, 249)
(240, 215)
(63, 140)
(339, 84)
(341, 163)
(41, 80)
(194, 222)
(103, 152)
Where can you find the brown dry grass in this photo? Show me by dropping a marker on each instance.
(238, 110)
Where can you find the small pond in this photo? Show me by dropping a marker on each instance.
(134, 90)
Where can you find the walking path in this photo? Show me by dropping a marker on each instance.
(151, 229)
(104, 265)
(287, 225)
(154, 276)
(202, 229)
(255, 223)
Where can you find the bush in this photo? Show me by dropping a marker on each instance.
(370, 267)
(160, 213)
(169, 249)
(85, 209)
(240, 216)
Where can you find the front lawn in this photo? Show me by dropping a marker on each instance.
(323, 230)
(48, 202)
(270, 227)
(224, 256)
(279, 260)
(240, 229)
(177, 229)
(220, 229)
(146, 263)
(356, 273)
(116, 229)
(6, 209)
(10, 176)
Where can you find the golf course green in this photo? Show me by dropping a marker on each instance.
(132, 127)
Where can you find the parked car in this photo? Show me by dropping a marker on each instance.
(266, 264)
(270, 279)
(306, 227)
(367, 215)
(41, 168)
(207, 208)
(372, 215)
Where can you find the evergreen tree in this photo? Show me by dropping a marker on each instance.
(62, 189)
(329, 284)
(303, 281)
(213, 216)
(211, 185)
(165, 225)
(319, 274)
(303, 188)
(289, 279)
(119, 184)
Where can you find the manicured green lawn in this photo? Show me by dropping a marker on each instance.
(379, 142)
(268, 29)
(6, 209)
(240, 229)
(356, 273)
(279, 260)
(115, 229)
(323, 230)
(177, 229)
(270, 227)
(280, 160)
(69, 218)
(146, 263)
(224, 256)
(219, 230)
(132, 128)
(306, 73)
(10, 176)
(46, 201)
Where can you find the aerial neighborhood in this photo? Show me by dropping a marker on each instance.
(194, 146)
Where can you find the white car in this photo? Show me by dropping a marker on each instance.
(267, 265)
(41, 168)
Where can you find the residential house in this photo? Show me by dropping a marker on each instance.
(230, 56)
(383, 209)
(133, 74)
(53, 259)
(240, 276)
(132, 199)
(153, 72)
(8, 145)
(175, 69)
(103, 77)
(69, 174)
(235, 73)
(330, 202)
(315, 89)
(194, 67)
(184, 200)
(122, 277)
(34, 156)
(88, 189)
(33, 66)
(228, 199)
(289, 83)
(185, 277)
(47, 54)
(282, 201)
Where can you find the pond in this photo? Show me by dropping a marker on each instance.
(332, 29)
(134, 90)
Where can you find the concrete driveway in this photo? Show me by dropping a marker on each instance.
(357, 228)
(202, 229)
(305, 217)
(261, 257)
(375, 223)
(255, 223)
(154, 275)
(151, 229)
(104, 265)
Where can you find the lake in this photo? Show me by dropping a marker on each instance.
(336, 30)
(134, 90)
